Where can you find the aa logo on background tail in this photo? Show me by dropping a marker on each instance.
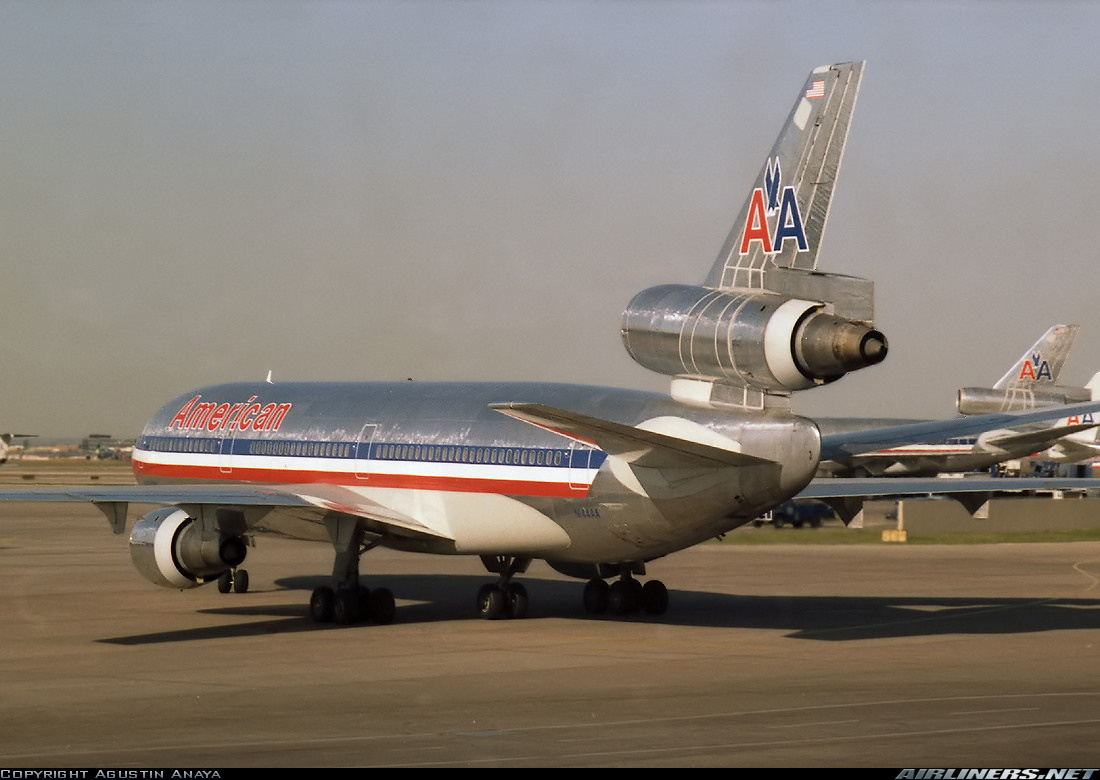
(1035, 369)
(765, 203)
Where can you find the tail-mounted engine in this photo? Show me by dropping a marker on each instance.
(168, 549)
(988, 400)
(760, 340)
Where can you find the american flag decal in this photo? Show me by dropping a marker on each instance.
(816, 90)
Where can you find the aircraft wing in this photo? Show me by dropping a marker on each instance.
(112, 500)
(836, 446)
(637, 446)
(881, 487)
(455, 522)
(846, 495)
(1036, 440)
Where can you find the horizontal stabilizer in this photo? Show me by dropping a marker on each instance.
(638, 447)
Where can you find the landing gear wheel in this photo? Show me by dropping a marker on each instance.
(491, 602)
(380, 606)
(655, 597)
(622, 597)
(321, 604)
(517, 600)
(240, 581)
(345, 607)
(225, 582)
(596, 597)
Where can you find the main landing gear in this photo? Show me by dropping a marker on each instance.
(346, 606)
(625, 596)
(235, 580)
(346, 601)
(504, 598)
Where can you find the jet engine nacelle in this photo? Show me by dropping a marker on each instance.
(761, 340)
(987, 400)
(167, 547)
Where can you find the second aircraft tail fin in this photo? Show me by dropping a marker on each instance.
(1041, 364)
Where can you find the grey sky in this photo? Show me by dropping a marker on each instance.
(193, 192)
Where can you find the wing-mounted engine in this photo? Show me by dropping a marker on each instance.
(988, 400)
(168, 548)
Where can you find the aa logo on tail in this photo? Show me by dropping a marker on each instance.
(1035, 369)
(765, 203)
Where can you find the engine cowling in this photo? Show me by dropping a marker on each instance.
(167, 548)
(761, 340)
(987, 400)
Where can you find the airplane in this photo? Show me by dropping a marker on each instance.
(954, 455)
(595, 481)
(1033, 382)
(1030, 383)
(1079, 446)
(6, 445)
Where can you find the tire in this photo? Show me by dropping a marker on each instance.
(655, 597)
(380, 606)
(622, 598)
(345, 607)
(240, 581)
(595, 597)
(321, 604)
(517, 600)
(491, 602)
(225, 582)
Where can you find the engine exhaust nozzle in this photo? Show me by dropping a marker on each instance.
(827, 347)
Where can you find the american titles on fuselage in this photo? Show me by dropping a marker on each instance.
(246, 416)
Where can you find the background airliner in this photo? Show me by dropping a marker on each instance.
(1031, 382)
(6, 445)
(596, 481)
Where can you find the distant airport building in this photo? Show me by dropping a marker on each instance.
(103, 446)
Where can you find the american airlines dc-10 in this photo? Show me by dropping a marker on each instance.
(596, 481)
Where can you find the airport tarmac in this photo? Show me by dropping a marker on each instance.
(775, 655)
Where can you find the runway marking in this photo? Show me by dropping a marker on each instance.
(993, 712)
(813, 723)
(1095, 580)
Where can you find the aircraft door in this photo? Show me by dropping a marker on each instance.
(580, 456)
(225, 453)
(363, 453)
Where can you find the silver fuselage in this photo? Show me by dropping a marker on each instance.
(434, 445)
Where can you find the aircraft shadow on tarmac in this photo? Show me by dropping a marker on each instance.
(444, 598)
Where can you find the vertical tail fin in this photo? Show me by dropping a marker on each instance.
(1094, 387)
(1042, 363)
(783, 219)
